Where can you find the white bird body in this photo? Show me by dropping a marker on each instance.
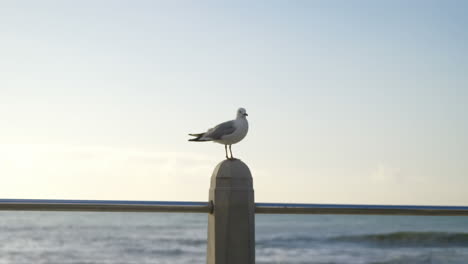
(227, 133)
(242, 127)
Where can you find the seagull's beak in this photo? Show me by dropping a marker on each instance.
(246, 114)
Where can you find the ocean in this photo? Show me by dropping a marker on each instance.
(86, 238)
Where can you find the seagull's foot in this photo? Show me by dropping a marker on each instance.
(232, 158)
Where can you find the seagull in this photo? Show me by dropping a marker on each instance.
(226, 133)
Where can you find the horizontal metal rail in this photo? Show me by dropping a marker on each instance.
(283, 208)
(103, 206)
(205, 207)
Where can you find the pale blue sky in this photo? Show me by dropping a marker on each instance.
(348, 101)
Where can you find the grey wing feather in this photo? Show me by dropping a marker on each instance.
(221, 130)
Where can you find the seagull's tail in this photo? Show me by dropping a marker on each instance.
(198, 137)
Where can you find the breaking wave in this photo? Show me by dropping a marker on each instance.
(396, 239)
(409, 239)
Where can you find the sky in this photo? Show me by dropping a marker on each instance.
(349, 101)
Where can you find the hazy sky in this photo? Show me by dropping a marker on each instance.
(348, 101)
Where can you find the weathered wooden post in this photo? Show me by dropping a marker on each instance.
(231, 225)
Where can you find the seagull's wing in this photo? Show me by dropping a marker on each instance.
(220, 130)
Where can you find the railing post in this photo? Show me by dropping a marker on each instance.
(231, 225)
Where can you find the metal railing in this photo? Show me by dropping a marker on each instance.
(103, 206)
(231, 209)
(206, 207)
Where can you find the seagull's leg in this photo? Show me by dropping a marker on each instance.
(225, 149)
(230, 150)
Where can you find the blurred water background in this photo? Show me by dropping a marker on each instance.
(85, 238)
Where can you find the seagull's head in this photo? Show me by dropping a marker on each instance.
(241, 113)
